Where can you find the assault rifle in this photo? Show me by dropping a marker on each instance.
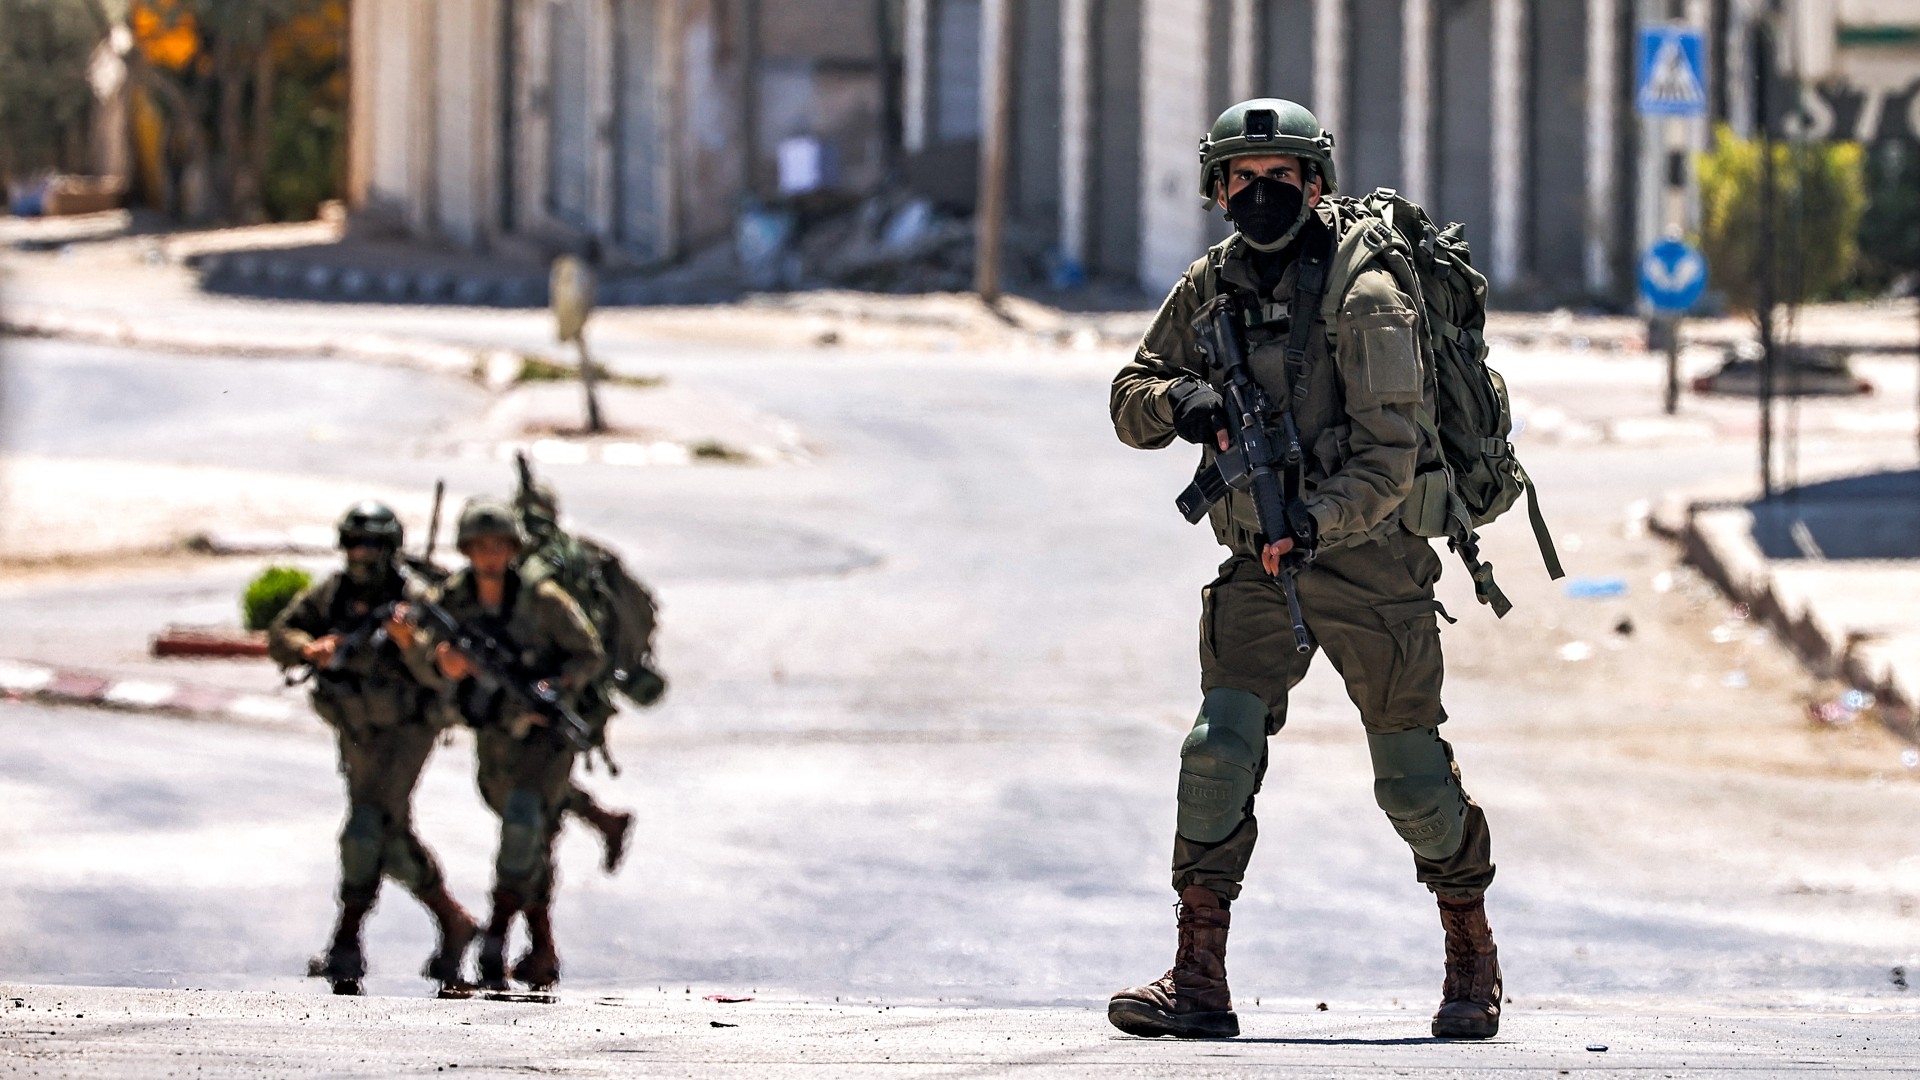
(368, 634)
(1272, 473)
(497, 671)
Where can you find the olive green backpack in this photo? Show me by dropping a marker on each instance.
(1473, 477)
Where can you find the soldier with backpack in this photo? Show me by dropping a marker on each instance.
(1300, 355)
(622, 612)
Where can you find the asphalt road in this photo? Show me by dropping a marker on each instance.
(928, 690)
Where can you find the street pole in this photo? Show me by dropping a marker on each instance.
(1763, 60)
(990, 216)
(1673, 365)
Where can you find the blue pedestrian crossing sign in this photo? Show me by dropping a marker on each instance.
(1673, 72)
(1673, 274)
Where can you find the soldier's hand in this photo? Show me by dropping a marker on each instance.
(452, 662)
(1271, 554)
(319, 652)
(1199, 414)
(399, 628)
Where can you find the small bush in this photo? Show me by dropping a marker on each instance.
(1890, 229)
(1819, 197)
(270, 593)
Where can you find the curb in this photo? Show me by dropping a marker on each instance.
(428, 356)
(47, 685)
(1716, 539)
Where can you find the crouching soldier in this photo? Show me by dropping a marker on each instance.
(342, 631)
(496, 645)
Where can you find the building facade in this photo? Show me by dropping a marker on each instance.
(637, 130)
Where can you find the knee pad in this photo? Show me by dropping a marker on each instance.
(1220, 764)
(523, 830)
(361, 841)
(1415, 784)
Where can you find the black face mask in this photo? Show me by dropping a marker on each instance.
(1266, 210)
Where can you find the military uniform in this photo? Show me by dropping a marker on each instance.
(385, 728)
(524, 771)
(1366, 596)
(556, 555)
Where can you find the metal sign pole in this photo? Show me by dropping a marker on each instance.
(1763, 60)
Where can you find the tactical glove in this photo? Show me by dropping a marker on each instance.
(1198, 411)
(1302, 526)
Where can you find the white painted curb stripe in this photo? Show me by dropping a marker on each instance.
(24, 678)
(140, 693)
(255, 707)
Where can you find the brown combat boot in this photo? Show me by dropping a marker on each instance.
(1470, 998)
(1191, 1001)
(344, 963)
(613, 827)
(539, 967)
(457, 931)
(493, 945)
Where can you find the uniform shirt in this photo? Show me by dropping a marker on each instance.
(373, 684)
(1365, 379)
(550, 636)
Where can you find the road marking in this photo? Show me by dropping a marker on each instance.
(256, 707)
(24, 678)
(139, 693)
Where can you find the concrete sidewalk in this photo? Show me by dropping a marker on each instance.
(1834, 569)
(73, 1031)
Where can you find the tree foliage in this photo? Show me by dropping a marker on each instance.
(45, 99)
(244, 110)
(1890, 228)
(1820, 198)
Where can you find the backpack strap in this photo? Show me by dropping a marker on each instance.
(1540, 534)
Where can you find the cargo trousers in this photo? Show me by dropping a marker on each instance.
(381, 766)
(527, 782)
(1370, 607)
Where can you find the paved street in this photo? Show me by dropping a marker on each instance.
(928, 688)
(74, 1031)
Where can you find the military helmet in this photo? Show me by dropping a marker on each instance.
(538, 500)
(375, 519)
(1265, 126)
(488, 517)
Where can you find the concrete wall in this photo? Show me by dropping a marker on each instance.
(1035, 185)
(1113, 186)
(1173, 75)
(1369, 140)
(1286, 67)
(1463, 126)
(633, 128)
(1557, 144)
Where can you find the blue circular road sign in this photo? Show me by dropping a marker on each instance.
(1673, 274)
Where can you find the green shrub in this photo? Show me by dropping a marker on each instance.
(1820, 195)
(270, 593)
(1890, 229)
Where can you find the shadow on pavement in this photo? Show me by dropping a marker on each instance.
(1876, 516)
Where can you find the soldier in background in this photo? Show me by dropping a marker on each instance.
(525, 765)
(342, 630)
(622, 612)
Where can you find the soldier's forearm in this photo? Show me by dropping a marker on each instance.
(1142, 416)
